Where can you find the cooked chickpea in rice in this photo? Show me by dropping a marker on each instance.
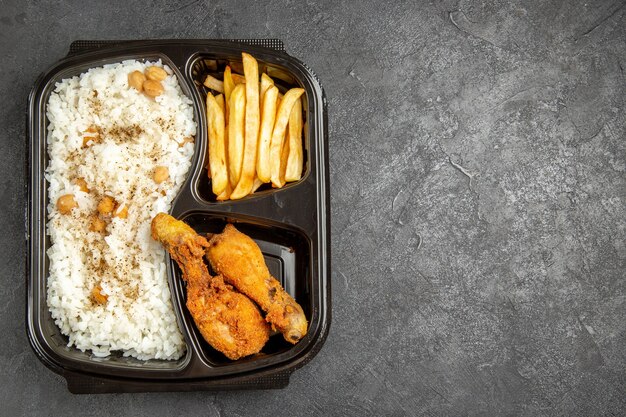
(66, 203)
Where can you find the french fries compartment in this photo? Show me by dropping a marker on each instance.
(287, 254)
(208, 74)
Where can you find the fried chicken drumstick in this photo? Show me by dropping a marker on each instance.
(239, 260)
(227, 320)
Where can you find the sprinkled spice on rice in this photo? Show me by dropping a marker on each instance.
(118, 155)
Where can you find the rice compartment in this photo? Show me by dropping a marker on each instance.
(107, 286)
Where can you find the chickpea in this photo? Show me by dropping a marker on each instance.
(156, 73)
(152, 88)
(161, 173)
(82, 184)
(121, 212)
(106, 205)
(66, 203)
(86, 140)
(136, 80)
(91, 134)
(97, 224)
(97, 296)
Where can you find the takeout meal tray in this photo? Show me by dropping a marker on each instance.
(291, 226)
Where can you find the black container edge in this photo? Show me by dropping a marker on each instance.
(87, 45)
(266, 379)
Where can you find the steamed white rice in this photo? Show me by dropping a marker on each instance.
(137, 134)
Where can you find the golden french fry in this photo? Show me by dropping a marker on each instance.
(268, 117)
(238, 78)
(214, 84)
(266, 83)
(278, 101)
(280, 74)
(217, 151)
(225, 195)
(220, 101)
(293, 171)
(226, 150)
(257, 183)
(253, 120)
(229, 86)
(236, 128)
(222, 104)
(278, 134)
(284, 156)
(207, 158)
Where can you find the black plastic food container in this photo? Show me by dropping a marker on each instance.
(291, 226)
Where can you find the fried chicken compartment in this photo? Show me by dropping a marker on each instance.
(228, 320)
(238, 259)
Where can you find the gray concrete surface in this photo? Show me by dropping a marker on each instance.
(478, 172)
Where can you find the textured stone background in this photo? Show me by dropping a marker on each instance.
(478, 173)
